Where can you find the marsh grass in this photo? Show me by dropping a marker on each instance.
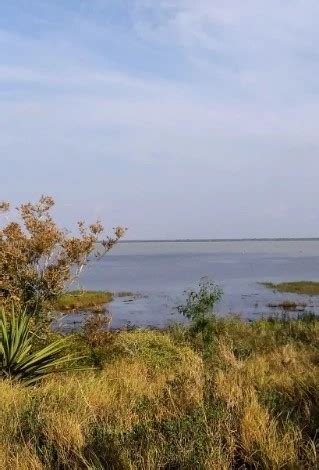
(125, 293)
(296, 287)
(158, 402)
(80, 300)
(130, 295)
(288, 305)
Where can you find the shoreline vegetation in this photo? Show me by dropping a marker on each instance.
(244, 396)
(295, 287)
(79, 300)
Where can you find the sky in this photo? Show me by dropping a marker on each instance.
(174, 118)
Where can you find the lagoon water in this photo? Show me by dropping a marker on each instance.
(161, 271)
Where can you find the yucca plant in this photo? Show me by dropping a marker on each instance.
(18, 361)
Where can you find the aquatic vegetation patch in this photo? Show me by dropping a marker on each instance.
(296, 287)
(288, 305)
(131, 295)
(81, 300)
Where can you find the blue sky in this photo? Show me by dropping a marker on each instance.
(176, 118)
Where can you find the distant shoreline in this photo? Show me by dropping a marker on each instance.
(217, 240)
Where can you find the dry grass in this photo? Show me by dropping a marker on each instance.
(271, 396)
(251, 401)
(296, 287)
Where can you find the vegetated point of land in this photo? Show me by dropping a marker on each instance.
(295, 287)
(78, 299)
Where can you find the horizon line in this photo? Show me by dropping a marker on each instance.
(185, 240)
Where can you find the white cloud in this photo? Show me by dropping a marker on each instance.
(270, 42)
(231, 104)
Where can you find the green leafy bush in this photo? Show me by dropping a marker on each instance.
(200, 304)
(199, 308)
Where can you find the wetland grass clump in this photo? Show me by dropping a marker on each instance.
(288, 305)
(296, 287)
(82, 300)
(77, 300)
(125, 293)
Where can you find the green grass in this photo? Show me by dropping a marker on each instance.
(157, 401)
(296, 287)
(81, 300)
(92, 300)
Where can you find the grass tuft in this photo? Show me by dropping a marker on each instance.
(81, 300)
(296, 287)
(288, 305)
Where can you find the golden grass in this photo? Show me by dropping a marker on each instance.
(296, 287)
(252, 401)
(81, 300)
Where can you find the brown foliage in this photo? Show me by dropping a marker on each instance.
(38, 259)
(96, 329)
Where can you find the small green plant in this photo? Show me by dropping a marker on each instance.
(200, 303)
(199, 308)
(17, 359)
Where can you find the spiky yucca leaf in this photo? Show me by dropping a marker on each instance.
(17, 360)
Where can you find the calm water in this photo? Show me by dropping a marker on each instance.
(161, 271)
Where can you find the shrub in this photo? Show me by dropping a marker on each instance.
(97, 338)
(199, 304)
(38, 259)
(199, 308)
